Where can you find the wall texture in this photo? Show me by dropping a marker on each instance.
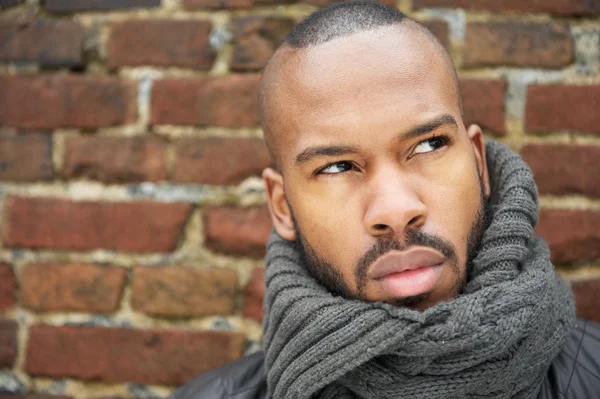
(132, 219)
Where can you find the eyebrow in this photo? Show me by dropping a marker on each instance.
(336, 150)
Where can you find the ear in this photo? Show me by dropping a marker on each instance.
(476, 137)
(278, 206)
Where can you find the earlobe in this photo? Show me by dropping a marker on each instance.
(476, 136)
(278, 206)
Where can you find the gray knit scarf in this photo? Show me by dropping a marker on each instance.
(496, 340)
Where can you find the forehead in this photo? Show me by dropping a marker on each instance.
(391, 75)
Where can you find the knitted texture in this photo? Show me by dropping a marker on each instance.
(496, 340)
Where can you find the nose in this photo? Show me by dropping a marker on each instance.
(393, 206)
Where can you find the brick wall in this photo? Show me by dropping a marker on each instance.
(132, 217)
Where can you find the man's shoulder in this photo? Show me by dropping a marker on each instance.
(575, 372)
(243, 379)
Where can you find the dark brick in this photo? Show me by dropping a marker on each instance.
(256, 38)
(8, 287)
(219, 160)
(483, 103)
(142, 226)
(564, 169)
(254, 293)
(9, 3)
(563, 107)
(113, 159)
(63, 6)
(26, 157)
(561, 7)
(54, 43)
(77, 287)
(8, 343)
(440, 30)
(177, 291)
(128, 355)
(573, 235)
(56, 101)
(230, 101)
(161, 43)
(237, 231)
(546, 45)
(587, 299)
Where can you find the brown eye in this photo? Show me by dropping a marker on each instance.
(431, 144)
(337, 167)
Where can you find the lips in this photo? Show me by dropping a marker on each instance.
(401, 261)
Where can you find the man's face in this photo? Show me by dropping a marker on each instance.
(382, 185)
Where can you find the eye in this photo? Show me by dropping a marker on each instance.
(431, 144)
(335, 168)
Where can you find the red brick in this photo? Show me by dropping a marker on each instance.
(161, 43)
(511, 43)
(55, 43)
(8, 343)
(563, 107)
(573, 235)
(219, 160)
(56, 101)
(237, 231)
(78, 287)
(142, 226)
(564, 169)
(8, 287)
(176, 291)
(440, 30)
(26, 157)
(561, 7)
(587, 300)
(254, 293)
(128, 355)
(483, 103)
(256, 38)
(113, 159)
(62, 6)
(230, 101)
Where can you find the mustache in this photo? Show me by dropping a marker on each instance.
(387, 244)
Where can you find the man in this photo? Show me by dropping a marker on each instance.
(404, 263)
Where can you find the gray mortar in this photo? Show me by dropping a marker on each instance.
(587, 50)
(456, 20)
(9, 382)
(518, 80)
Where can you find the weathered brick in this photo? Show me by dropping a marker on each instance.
(112, 159)
(483, 103)
(573, 235)
(237, 231)
(219, 160)
(62, 6)
(511, 43)
(142, 226)
(563, 168)
(56, 101)
(230, 101)
(176, 291)
(79, 287)
(256, 38)
(254, 293)
(558, 107)
(55, 43)
(9, 3)
(587, 300)
(8, 287)
(25, 157)
(561, 7)
(8, 343)
(440, 30)
(161, 43)
(128, 355)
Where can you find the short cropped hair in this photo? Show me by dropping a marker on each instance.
(342, 19)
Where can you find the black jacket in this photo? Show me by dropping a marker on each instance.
(574, 374)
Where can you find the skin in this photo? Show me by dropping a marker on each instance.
(372, 152)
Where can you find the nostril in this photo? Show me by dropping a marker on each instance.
(413, 221)
(380, 227)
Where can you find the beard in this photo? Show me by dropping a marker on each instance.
(330, 278)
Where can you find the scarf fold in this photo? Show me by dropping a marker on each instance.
(496, 340)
